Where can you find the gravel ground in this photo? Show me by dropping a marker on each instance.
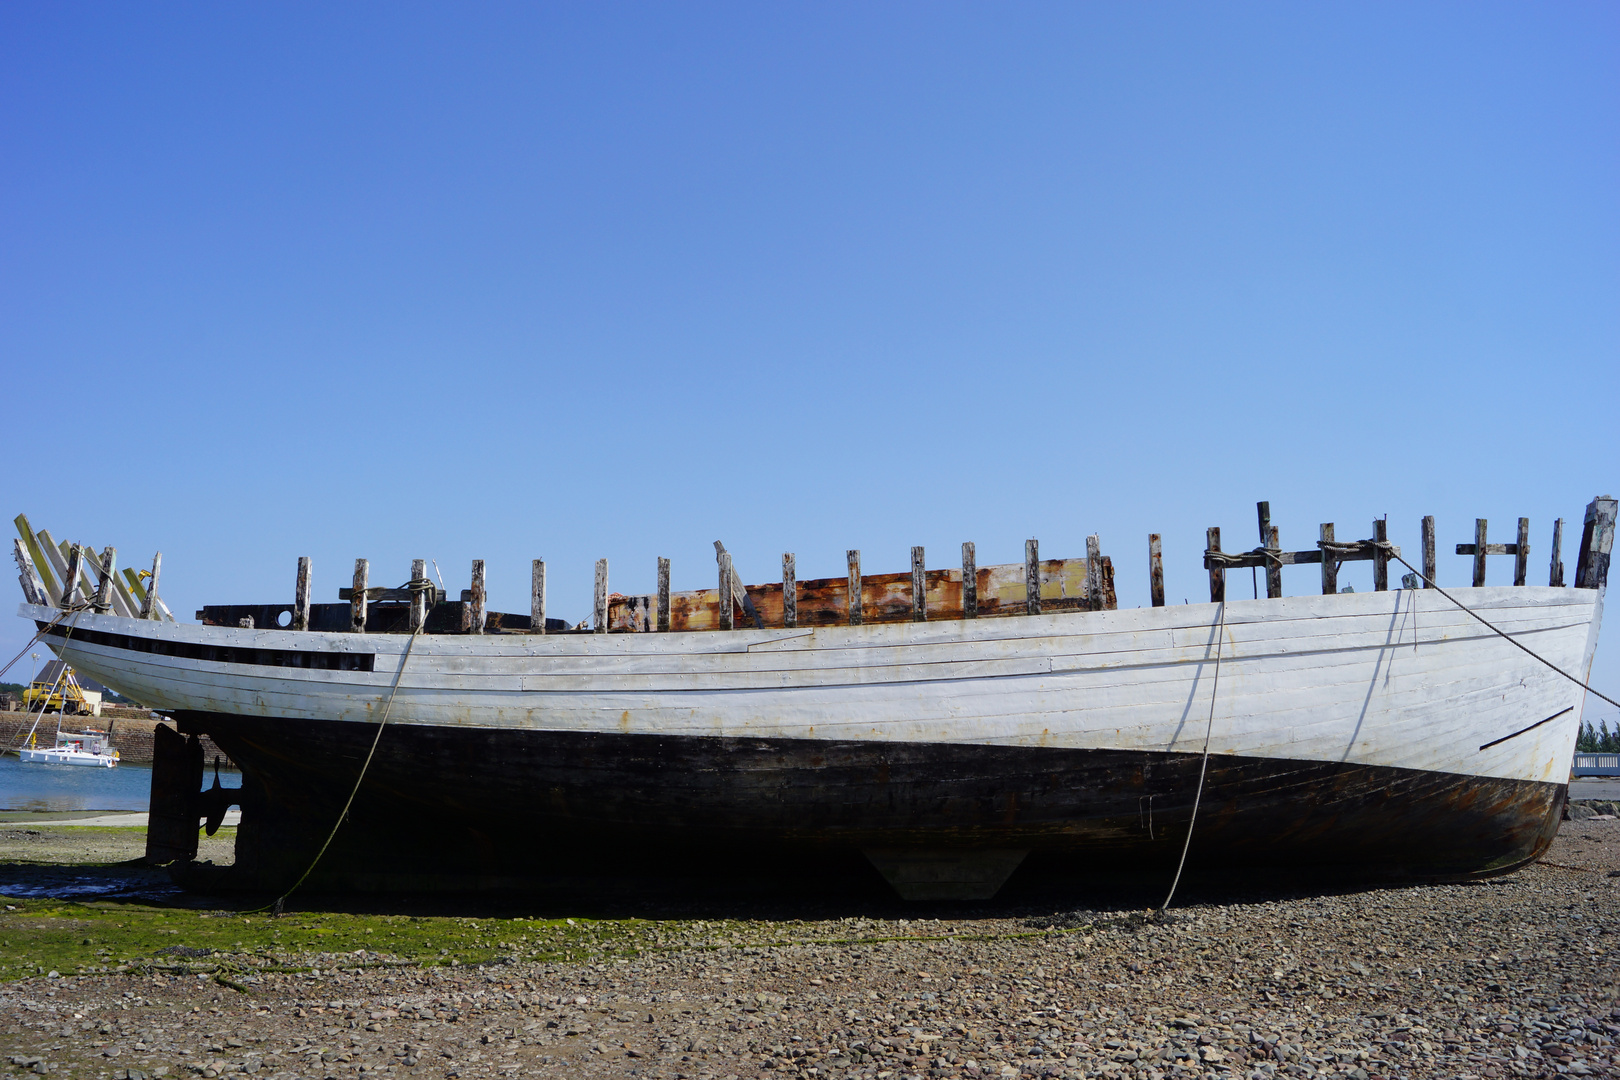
(1513, 977)
(53, 843)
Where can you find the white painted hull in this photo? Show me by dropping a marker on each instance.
(66, 757)
(1400, 679)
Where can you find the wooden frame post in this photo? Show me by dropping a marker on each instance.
(537, 597)
(1555, 571)
(1380, 558)
(104, 588)
(790, 590)
(1217, 572)
(1480, 551)
(1094, 576)
(599, 609)
(1156, 569)
(857, 602)
(33, 588)
(71, 591)
(1521, 557)
(970, 581)
(1430, 564)
(478, 605)
(357, 596)
(300, 619)
(663, 595)
(1032, 576)
(419, 594)
(727, 601)
(149, 602)
(919, 586)
(1330, 561)
(1268, 540)
(1597, 544)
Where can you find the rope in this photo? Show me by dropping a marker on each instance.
(344, 813)
(1203, 769)
(1389, 549)
(47, 628)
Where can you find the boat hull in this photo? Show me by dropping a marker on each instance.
(61, 757)
(452, 807)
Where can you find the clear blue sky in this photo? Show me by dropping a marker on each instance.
(492, 281)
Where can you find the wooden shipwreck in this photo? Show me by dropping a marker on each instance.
(943, 726)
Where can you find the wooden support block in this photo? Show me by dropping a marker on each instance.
(1430, 567)
(1597, 544)
(1481, 549)
(1380, 557)
(663, 595)
(357, 595)
(970, 581)
(1094, 573)
(300, 620)
(104, 588)
(75, 559)
(419, 594)
(1268, 540)
(1555, 572)
(1032, 577)
(919, 586)
(1156, 569)
(790, 590)
(1521, 553)
(1217, 573)
(537, 597)
(856, 612)
(728, 600)
(599, 610)
(479, 603)
(1330, 562)
(149, 602)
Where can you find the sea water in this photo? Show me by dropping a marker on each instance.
(81, 787)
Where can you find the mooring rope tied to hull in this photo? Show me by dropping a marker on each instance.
(1203, 768)
(388, 706)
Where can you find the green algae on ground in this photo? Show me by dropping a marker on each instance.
(41, 936)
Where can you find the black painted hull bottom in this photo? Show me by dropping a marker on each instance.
(464, 807)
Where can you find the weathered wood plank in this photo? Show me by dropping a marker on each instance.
(537, 597)
(1268, 540)
(855, 597)
(1430, 563)
(1380, 557)
(1032, 577)
(37, 556)
(300, 619)
(419, 594)
(970, 581)
(1330, 561)
(72, 597)
(1095, 598)
(357, 595)
(1597, 544)
(1481, 549)
(33, 588)
(727, 599)
(1521, 553)
(919, 586)
(1156, 569)
(149, 602)
(1555, 570)
(663, 595)
(478, 604)
(104, 587)
(1217, 572)
(599, 609)
(790, 590)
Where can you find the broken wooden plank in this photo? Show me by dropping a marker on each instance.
(1156, 569)
(970, 581)
(300, 619)
(419, 594)
(1330, 561)
(1555, 571)
(919, 586)
(478, 603)
(1217, 572)
(1521, 554)
(855, 598)
(599, 609)
(790, 590)
(1380, 556)
(1032, 577)
(1597, 543)
(1430, 566)
(537, 597)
